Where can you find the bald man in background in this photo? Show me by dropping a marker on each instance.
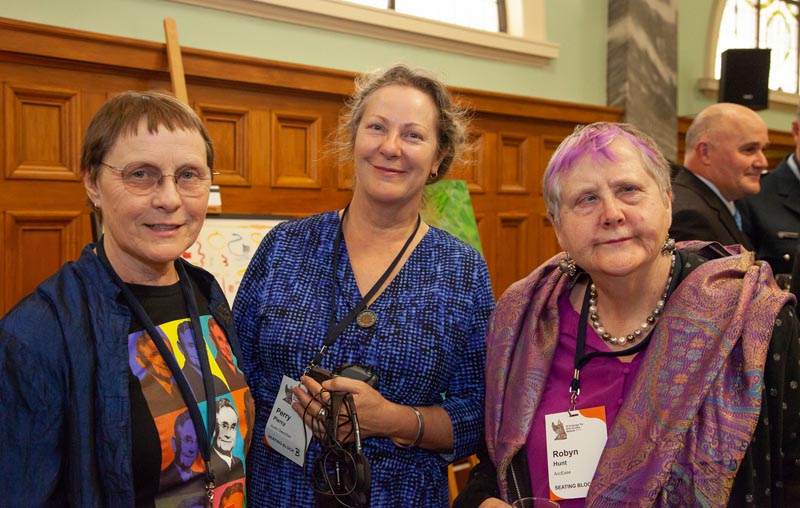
(723, 163)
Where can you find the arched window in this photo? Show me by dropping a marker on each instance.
(764, 24)
(486, 15)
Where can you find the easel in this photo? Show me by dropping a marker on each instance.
(175, 61)
(178, 80)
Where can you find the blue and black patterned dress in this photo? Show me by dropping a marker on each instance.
(428, 348)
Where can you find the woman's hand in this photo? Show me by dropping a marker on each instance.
(374, 412)
(311, 404)
(493, 502)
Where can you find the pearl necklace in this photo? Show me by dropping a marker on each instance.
(637, 333)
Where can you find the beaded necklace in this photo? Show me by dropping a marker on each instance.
(637, 333)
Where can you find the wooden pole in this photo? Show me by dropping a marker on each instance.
(175, 61)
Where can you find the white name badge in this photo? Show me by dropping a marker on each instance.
(285, 431)
(574, 445)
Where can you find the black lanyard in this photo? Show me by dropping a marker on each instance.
(200, 343)
(336, 329)
(581, 359)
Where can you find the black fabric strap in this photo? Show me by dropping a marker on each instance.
(582, 359)
(203, 434)
(336, 329)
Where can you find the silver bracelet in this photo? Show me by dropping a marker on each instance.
(420, 429)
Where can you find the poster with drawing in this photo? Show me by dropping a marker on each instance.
(225, 245)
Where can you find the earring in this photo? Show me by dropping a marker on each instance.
(668, 247)
(433, 175)
(566, 265)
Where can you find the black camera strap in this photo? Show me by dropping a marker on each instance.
(336, 329)
(183, 385)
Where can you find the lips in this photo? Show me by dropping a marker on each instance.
(163, 227)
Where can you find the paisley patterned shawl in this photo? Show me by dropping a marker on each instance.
(687, 421)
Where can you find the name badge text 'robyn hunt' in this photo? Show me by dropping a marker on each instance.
(574, 446)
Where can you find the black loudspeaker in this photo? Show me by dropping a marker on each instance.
(745, 77)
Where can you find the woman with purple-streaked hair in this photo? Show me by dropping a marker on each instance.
(631, 371)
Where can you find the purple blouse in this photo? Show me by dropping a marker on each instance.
(605, 381)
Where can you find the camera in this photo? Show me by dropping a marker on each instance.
(348, 370)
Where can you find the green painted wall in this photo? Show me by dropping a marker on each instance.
(578, 26)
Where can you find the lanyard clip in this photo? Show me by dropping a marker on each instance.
(574, 391)
(316, 360)
(210, 485)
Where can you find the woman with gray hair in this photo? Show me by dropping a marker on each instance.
(628, 371)
(90, 385)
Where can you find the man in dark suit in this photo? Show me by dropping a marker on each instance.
(723, 162)
(771, 218)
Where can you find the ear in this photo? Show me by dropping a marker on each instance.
(557, 229)
(92, 191)
(702, 151)
(438, 162)
(669, 208)
(174, 445)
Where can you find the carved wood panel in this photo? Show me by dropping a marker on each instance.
(229, 130)
(37, 243)
(296, 141)
(42, 132)
(515, 158)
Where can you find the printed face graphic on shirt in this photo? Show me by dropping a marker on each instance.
(220, 342)
(227, 421)
(148, 357)
(188, 344)
(185, 443)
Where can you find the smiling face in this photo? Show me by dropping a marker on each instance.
(735, 153)
(148, 357)
(227, 421)
(143, 235)
(613, 218)
(395, 148)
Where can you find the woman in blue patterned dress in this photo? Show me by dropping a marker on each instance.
(422, 331)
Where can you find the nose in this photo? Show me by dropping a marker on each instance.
(390, 147)
(612, 213)
(761, 160)
(166, 194)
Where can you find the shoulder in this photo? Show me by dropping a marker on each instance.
(442, 240)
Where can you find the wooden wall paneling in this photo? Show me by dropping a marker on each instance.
(546, 244)
(42, 132)
(513, 259)
(514, 163)
(548, 147)
(296, 141)
(474, 167)
(269, 120)
(37, 243)
(229, 128)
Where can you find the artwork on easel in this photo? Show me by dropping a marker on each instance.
(447, 205)
(226, 244)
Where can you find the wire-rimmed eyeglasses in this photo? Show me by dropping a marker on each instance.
(144, 179)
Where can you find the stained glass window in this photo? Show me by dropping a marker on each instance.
(764, 24)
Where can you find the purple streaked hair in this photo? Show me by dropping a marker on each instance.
(594, 140)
